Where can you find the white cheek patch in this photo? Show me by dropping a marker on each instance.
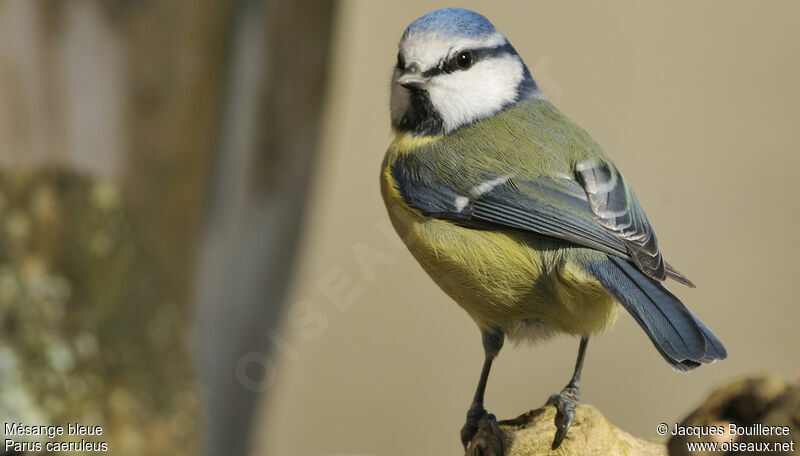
(465, 96)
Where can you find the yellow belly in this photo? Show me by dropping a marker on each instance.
(503, 279)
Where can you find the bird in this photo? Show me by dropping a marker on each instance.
(516, 213)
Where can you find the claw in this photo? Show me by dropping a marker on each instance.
(467, 432)
(565, 403)
(488, 440)
(481, 435)
(470, 428)
(563, 422)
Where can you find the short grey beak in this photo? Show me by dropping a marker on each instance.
(412, 80)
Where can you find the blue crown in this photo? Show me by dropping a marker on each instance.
(451, 22)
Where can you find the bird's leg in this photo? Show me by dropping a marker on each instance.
(568, 398)
(481, 432)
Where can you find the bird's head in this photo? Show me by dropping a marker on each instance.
(453, 69)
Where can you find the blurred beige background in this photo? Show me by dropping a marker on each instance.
(696, 102)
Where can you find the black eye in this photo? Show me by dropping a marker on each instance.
(401, 64)
(464, 59)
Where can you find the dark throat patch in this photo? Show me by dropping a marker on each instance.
(420, 118)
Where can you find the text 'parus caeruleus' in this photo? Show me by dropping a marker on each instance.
(516, 212)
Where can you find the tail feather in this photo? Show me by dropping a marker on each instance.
(683, 340)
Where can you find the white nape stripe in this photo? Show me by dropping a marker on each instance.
(427, 49)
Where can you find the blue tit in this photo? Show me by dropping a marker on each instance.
(516, 212)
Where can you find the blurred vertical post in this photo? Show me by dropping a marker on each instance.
(151, 153)
(108, 121)
(271, 120)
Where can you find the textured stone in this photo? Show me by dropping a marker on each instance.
(590, 434)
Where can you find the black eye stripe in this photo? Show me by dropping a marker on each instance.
(496, 51)
(478, 54)
(432, 72)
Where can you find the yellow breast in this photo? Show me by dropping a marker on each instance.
(501, 278)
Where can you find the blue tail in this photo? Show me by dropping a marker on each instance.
(682, 339)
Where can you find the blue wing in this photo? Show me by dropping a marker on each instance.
(681, 338)
(596, 210)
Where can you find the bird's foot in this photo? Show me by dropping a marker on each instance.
(565, 403)
(480, 434)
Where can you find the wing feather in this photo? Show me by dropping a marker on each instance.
(615, 207)
(597, 211)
